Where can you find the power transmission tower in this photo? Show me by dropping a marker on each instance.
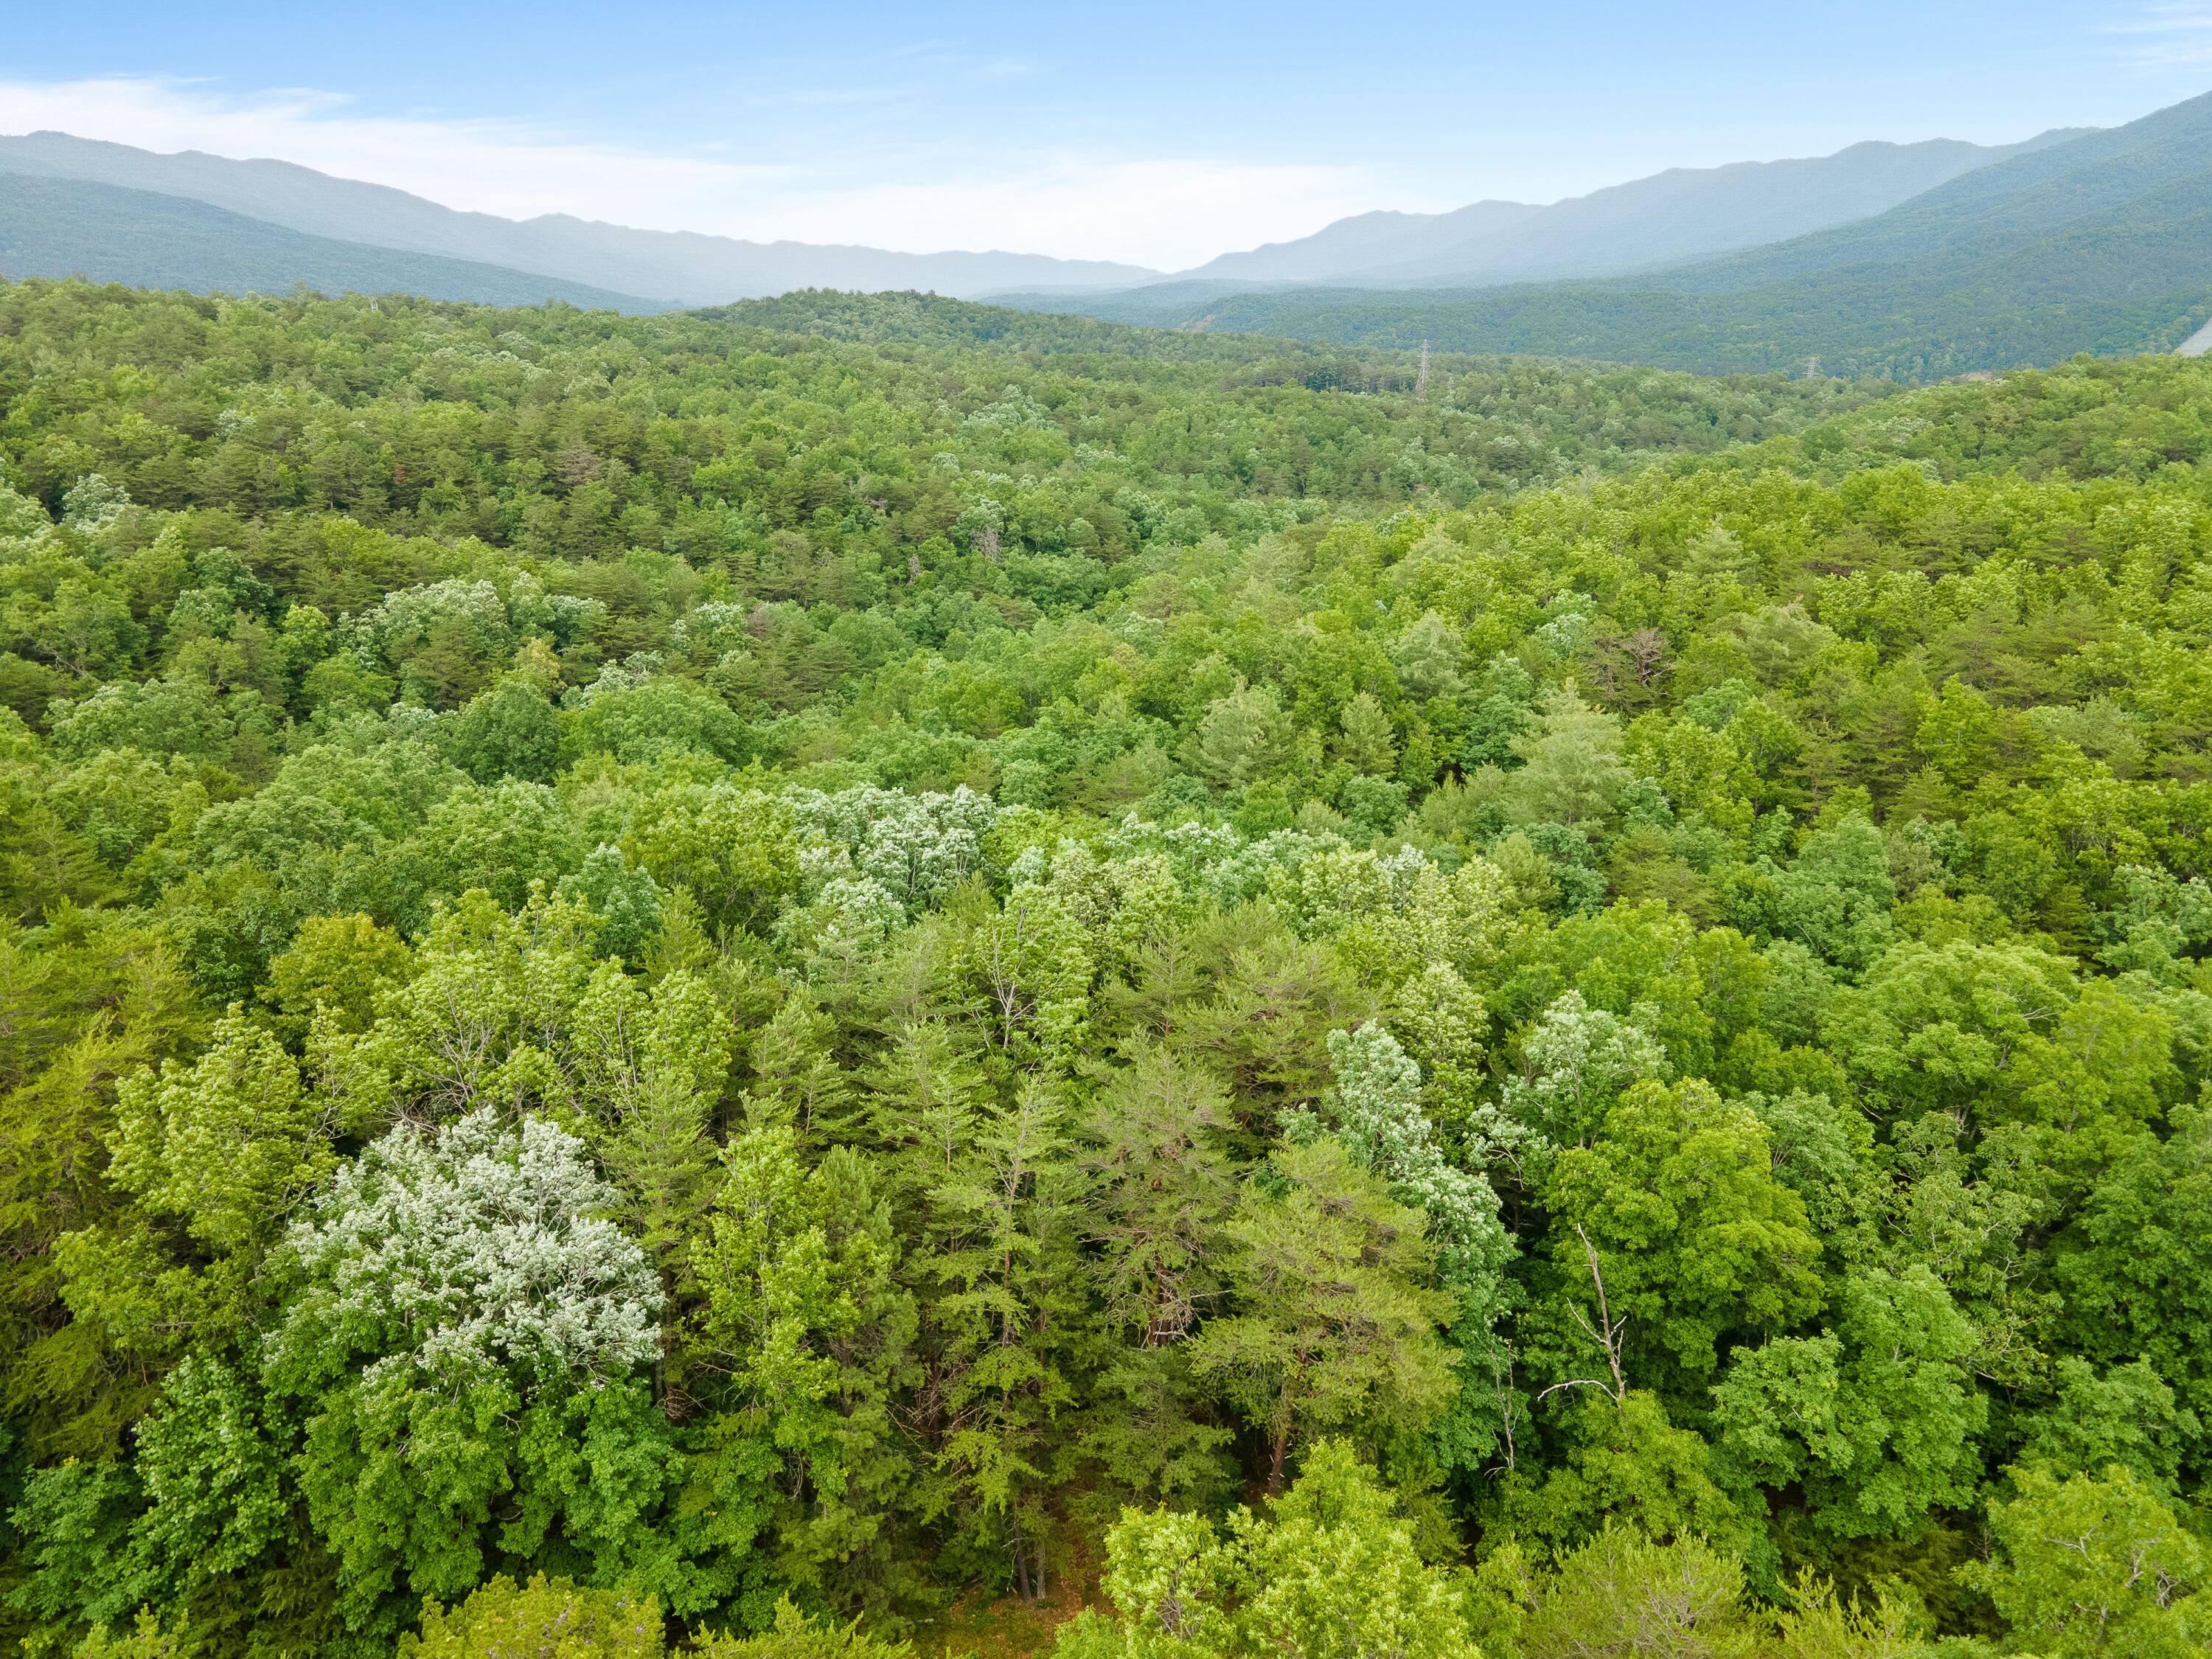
(1421, 379)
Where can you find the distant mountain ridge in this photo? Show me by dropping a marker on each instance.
(2015, 201)
(683, 266)
(2077, 240)
(2101, 244)
(70, 227)
(1680, 214)
(1673, 215)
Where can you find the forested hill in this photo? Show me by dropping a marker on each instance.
(2097, 244)
(673, 980)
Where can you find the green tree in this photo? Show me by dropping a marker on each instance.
(486, 1015)
(1835, 897)
(1002, 1236)
(2133, 1264)
(556, 1618)
(731, 848)
(463, 1352)
(230, 1144)
(2127, 1417)
(1876, 1422)
(1570, 770)
(650, 1067)
(1621, 1593)
(1673, 1216)
(500, 839)
(1158, 1150)
(1030, 962)
(806, 1307)
(661, 717)
(343, 964)
(508, 731)
(1336, 1322)
(1156, 1145)
(1243, 738)
(2095, 1565)
(1619, 1458)
(1329, 1571)
(1367, 743)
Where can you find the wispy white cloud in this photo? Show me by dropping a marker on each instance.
(1166, 211)
(492, 166)
(2167, 37)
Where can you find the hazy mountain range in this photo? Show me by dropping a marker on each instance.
(1678, 214)
(62, 227)
(656, 268)
(2101, 242)
(1902, 260)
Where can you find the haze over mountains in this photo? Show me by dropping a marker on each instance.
(2099, 242)
(59, 226)
(1907, 260)
(1680, 213)
(657, 268)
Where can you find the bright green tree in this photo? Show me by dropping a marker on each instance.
(1329, 1571)
(2095, 1565)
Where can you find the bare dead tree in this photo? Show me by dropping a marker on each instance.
(1501, 1384)
(1606, 1332)
(1647, 657)
(1631, 671)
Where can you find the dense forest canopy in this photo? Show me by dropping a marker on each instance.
(683, 978)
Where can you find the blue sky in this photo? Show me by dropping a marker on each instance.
(1155, 133)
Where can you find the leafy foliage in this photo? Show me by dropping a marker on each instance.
(766, 974)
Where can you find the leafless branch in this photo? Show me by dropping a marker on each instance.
(1606, 1332)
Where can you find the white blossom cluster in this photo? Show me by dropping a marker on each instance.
(487, 1247)
(1579, 1058)
(1377, 1104)
(492, 624)
(915, 847)
(1218, 862)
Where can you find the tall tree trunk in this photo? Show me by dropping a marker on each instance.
(1021, 1558)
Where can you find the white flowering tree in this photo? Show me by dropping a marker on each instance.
(1576, 1062)
(916, 847)
(466, 1342)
